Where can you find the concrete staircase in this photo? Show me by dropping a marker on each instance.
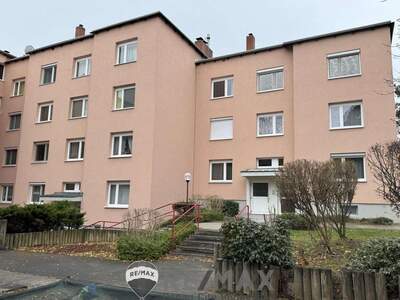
(200, 244)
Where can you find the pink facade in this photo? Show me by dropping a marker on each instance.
(166, 131)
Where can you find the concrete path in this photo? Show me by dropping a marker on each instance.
(214, 226)
(177, 276)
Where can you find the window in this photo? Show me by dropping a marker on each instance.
(270, 124)
(260, 189)
(121, 145)
(18, 87)
(359, 163)
(221, 128)
(37, 190)
(126, 52)
(6, 193)
(221, 171)
(72, 187)
(344, 64)
(15, 121)
(82, 66)
(124, 97)
(353, 209)
(270, 80)
(48, 74)
(222, 87)
(269, 162)
(45, 112)
(10, 157)
(41, 151)
(346, 115)
(78, 108)
(2, 72)
(118, 194)
(75, 149)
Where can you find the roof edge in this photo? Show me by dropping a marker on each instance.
(302, 40)
(7, 54)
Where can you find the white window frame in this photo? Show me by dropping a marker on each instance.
(84, 107)
(53, 73)
(274, 162)
(273, 115)
(88, 67)
(35, 144)
(5, 157)
(17, 87)
(343, 54)
(268, 71)
(123, 88)
(50, 116)
(221, 119)
(225, 79)
(343, 156)
(341, 120)
(77, 187)
(120, 135)
(117, 183)
(43, 189)
(224, 162)
(6, 186)
(81, 154)
(125, 45)
(10, 117)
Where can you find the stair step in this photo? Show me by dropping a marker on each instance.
(177, 252)
(192, 249)
(197, 243)
(199, 237)
(209, 232)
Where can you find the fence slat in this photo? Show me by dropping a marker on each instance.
(316, 284)
(380, 286)
(369, 283)
(307, 284)
(347, 285)
(326, 285)
(298, 284)
(238, 273)
(358, 286)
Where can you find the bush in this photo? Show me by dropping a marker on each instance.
(208, 215)
(377, 221)
(230, 208)
(42, 217)
(257, 243)
(294, 221)
(378, 255)
(150, 245)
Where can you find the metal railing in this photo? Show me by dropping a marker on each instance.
(246, 209)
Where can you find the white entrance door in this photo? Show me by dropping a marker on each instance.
(259, 197)
(263, 198)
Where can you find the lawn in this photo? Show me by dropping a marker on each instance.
(308, 252)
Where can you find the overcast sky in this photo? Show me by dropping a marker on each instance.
(41, 22)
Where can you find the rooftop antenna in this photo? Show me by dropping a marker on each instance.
(208, 38)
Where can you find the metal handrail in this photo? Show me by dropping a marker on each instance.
(196, 219)
(247, 208)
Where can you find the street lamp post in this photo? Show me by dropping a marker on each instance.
(188, 178)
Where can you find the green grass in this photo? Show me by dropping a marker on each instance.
(308, 251)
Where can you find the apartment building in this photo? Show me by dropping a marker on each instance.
(113, 119)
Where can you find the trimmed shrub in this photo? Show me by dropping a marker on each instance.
(377, 221)
(230, 208)
(150, 245)
(42, 217)
(208, 215)
(378, 255)
(294, 221)
(257, 243)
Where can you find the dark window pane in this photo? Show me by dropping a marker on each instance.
(1, 72)
(41, 152)
(219, 89)
(129, 97)
(217, 171)
(229, 171)
(359, 165)
(82, 149)
(77, 109)
(126, 145)
(265, 162)
(74, 150)
(280, 162)
(11, 157)
(352, 115)
(45, 113)
(260, 189)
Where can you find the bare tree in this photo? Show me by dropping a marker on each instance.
(384, 161)
(322, 192)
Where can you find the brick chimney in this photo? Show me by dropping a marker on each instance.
(202, 45)
(79, 31)
(250, 42)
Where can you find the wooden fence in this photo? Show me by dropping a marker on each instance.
(60, 237)
(266, 282)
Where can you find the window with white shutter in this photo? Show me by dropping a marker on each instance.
(221, 128)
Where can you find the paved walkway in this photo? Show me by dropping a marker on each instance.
(13, 281)
(176, 276)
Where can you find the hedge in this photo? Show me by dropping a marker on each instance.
(42, 217)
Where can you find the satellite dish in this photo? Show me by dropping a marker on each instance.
(28, 49)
